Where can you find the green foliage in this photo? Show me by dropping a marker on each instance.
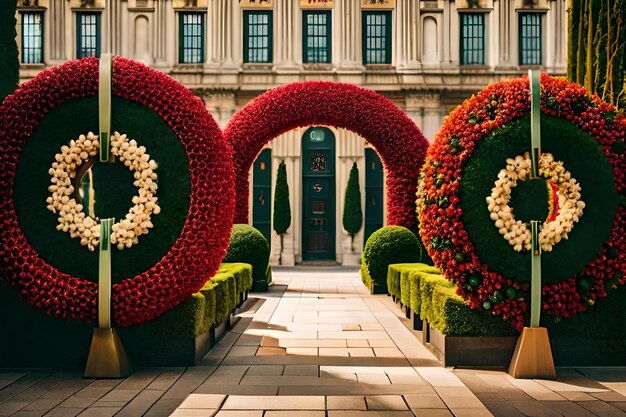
(352, 213)
(582, 156)
(529, 200)
(114, 187)
(248, 245)
(388, 245)
(596, 53)
(407, 280)
(603, 322)
(9, 64)
(282, 209)
(210, 306)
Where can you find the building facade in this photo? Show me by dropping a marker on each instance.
(424, 55)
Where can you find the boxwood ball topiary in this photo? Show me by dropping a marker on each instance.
(389, 245)
(248, 245)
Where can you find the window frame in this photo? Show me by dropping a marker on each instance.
(181, 37)
(387, 36)
(41, 36)
(462, 49)
(79, 33)
(521, 41)
(329, 36)
(246, 36)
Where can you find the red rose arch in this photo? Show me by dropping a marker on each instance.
(395, 137)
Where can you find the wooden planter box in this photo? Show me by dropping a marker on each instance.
(54, 343)
(497, 351)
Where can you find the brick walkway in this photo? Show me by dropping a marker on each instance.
(316, 345)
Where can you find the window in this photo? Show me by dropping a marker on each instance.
(257, 36)
(377, 37)
(32, 38)
(472, 39)
(191, 38)
(87, 34)
(530, 39)
(316, 36)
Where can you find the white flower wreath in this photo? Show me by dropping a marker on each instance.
(73, 219)
(564, 212)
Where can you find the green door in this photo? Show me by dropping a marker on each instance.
(262, 194)
(373, 193)
(318, 194)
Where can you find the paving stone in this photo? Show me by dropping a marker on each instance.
(292, 413)
(535, 408)
(302, 351)
(361, 352)
(608, 396)
(381, 343)
(374, 379)
(235, 413)
(267, 370)
(243, 351)
(577, 396)
(238, 402)
(419, 401)
(312, 343)
(433, 412)
(267, 341)
(301, 370)
(190, 412)
(268, 351)
(395, 413)
(346, 402)
(197, 401)
(568, 409)
(357, 343)
(385, 402)
(100, 412)
(471, 412)
(141, 403)
(603, 409)
(341, 352)
(77, 402)
(64, 412)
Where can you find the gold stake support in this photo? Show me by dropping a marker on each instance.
(107, 357)
(532, 357)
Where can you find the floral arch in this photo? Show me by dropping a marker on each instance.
(397, 140)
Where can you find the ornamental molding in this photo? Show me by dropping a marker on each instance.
(477, 5)
(378, 4)
(317, 4)
(256, 4)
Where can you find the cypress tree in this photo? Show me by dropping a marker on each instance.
(352, 213)
(596, 53)
(9, 65)
(282, 209)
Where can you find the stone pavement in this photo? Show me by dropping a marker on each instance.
(316, 345)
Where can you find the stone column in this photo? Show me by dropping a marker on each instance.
(284, 31)
(349, 14)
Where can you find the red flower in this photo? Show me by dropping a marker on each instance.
(491, 108)
(205, 233)
(395, 137)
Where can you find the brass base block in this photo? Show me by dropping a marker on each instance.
(532, 357)
(107, 357)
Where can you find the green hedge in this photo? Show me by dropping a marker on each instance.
(248, 245)
(434, 298)
(208, 307)
(398, 278)
(388, 245)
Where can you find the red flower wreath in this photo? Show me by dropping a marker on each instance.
(395, 137)
(442, 226)
(205, 233)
